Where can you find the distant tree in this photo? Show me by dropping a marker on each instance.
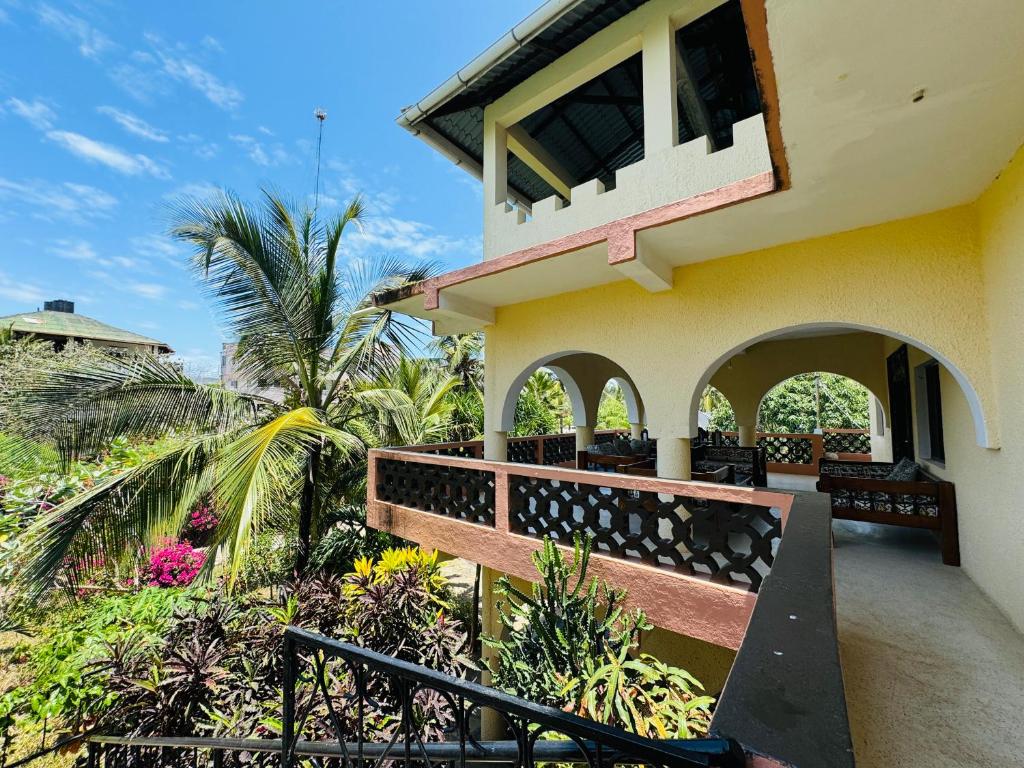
(611, 410)
(543, 407)
(719, 410)
(792, 405)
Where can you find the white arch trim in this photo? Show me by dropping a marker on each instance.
(572, 391)
(981, 433)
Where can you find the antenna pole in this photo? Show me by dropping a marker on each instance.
(320, 115)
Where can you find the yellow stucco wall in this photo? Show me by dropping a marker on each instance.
(990, 484)
(747, 377)
(895, 278)
(951, 283)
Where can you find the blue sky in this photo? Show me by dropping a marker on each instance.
(109, 110)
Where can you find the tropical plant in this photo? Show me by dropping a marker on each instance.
(555, 638)
(422, 391)
(646, 696)
(303, 320)
(611, 409)
(720, 413)
(542, 407)
(462, 356)
(399, 604)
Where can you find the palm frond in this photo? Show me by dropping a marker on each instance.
(257, 474)
(80, 410)
(118, 517)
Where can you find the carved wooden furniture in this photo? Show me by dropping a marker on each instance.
(724, 474)
(860, 490)
(748, 464)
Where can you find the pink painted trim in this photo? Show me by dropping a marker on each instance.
(620, 234)
(690, 605)
(715, 613)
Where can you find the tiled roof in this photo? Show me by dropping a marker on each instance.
(48, 323)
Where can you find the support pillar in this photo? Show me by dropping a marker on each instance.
(674, 458)
(492, 725)
(748, 436)
(661, 103)
(495, 165)
(584, 437)
(496, 446)
(635, 430)
(881, 438)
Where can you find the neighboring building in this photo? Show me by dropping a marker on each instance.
(236, 381)
(57, 322)
(684, 192)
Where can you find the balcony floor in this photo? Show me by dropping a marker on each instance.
(934, 672)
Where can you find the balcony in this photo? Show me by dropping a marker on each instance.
(665, 187)
(742, 568)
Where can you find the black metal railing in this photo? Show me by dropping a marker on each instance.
(427, 717)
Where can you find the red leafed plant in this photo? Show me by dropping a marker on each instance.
(174, 565)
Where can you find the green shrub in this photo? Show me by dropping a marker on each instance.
(556, 637)
(570, 644)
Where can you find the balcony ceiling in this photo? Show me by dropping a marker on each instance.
(861, 150)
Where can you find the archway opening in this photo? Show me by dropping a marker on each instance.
(812, 402)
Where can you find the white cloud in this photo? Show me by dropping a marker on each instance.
(19, 290)
(201, 189)
(4, 17)
(178, 64)
(91, 42)
(147, 290)
(140, 82)
(49, 200)
(36, 112)
(134, 125)
(390, 234)
(107, 154)
(204, 150)
(77, 250)
(212, 43)
(259, 153)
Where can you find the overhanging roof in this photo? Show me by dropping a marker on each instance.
(71, 325)
(451, 116)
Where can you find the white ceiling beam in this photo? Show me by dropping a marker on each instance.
(530, 151)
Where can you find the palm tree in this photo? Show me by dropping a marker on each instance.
(305, 321)
(462, 356)
(426, 392)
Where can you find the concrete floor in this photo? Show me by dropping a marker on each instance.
(934, 672)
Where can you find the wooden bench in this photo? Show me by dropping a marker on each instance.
(860, 490)
(748, 464)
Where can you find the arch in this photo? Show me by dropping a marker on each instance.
(577, 371)
(970, 394)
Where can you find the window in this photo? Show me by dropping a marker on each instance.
(929, 412)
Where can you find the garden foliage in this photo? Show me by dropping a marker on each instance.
(571, 644)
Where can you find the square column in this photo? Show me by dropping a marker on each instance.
(661, 110)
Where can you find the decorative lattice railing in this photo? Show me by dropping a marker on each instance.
(649, 534)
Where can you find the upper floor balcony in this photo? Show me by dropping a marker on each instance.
(597, 131)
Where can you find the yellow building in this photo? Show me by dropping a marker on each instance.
(688, 192)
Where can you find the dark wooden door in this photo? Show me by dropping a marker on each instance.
(901, 419)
